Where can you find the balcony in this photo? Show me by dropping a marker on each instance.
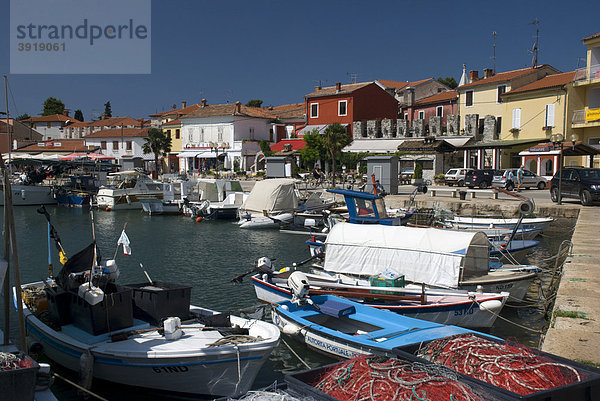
(585, 76)
(579, 120)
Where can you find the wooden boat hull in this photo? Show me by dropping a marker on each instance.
(462, 312)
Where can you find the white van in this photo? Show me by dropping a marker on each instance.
(456, 176)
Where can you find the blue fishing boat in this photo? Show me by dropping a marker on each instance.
(346, 329)
(368, 208)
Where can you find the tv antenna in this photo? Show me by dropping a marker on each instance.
(494, 50)
(535, 48)
(353, 77)
(228, 95)
(320, 82)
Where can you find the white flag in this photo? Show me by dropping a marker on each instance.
(124, 240)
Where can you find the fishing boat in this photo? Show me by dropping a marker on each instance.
(436, 258)
(540, 223)
(514, 251)
(274, 202)
(218, 200)
(78, 192)
(346, 329)
(368, 208)
(457, 307)
(494, 234)
(125, 189)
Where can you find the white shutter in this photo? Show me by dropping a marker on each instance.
(550, 115)
(516, 120)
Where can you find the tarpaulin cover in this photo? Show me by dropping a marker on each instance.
(81, 261)
(273, 195)
(423, 255)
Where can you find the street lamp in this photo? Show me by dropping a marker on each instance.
(557, 142)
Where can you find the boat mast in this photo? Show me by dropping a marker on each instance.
(9, 139)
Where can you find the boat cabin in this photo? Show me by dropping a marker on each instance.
(366, 208)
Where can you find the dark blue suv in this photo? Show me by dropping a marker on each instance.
(579, 183)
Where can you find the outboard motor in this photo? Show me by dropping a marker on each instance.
(299, 285)
(264, 265)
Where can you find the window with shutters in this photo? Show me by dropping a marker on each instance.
(469, 98)
(220, 134)
(421, 115)
(342, 108)
(501, 90)
(177, 134)
(115, 145)
(129, 146)
(439, 111)
(103, 145)
(549, 115)
(314, 110)
(516, 119)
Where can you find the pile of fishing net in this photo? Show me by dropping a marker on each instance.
(382, 379)
(512, 367)
(10, 361)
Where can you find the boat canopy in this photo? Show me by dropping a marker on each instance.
(272, 195)
(216, 190)
(423, 255)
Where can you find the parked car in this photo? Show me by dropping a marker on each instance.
(456, 176)
(481, 178)
(530, 180)
(579, 183)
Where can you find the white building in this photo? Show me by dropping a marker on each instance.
(230, 132)
(125, 145)
(81, 129)
(52, 126)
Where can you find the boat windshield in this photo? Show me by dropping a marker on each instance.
(364, 208)
(380, 205)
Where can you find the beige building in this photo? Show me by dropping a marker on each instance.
(482, 116)
(585, 124)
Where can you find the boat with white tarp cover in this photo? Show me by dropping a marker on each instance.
(423, 255)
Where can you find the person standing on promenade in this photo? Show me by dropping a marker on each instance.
(520, 178)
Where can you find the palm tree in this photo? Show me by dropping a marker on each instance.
(158, 143)
(335, 139)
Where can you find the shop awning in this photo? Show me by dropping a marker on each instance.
(501, 144)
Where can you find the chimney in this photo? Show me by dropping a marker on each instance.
(338, 87)
(66, 112)
(488, 72)
(183, 104)
(238, 107)
(317, 88)
(203, 103)
(410, 96)
(473, 76)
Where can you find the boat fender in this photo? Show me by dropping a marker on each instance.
(172, 328)
(128, 199)
(493, 305)
(479, 289)
(285, 307)
(23, 194)
(86, 369)
(291, 330)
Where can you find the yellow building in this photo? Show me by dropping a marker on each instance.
(538, 111)
(482, 116)
(585, 123)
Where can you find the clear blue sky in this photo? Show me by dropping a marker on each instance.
(277, 50)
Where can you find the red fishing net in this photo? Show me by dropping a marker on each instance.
(512, 367)
(10, 361)
(381, 379)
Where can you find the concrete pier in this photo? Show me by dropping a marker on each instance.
(574, 332)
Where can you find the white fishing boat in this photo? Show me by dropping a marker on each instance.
(125, 188)
(540, 223)
(218, 200)
(423, 255)
(190, 357)
(457, 307)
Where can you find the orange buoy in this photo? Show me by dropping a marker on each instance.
(108, 208)
(198, 219)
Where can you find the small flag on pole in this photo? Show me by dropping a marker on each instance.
(124, 240)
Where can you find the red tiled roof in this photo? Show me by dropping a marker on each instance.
(331, 90)
(296, 110)
(393, 84)
(438, 97)
(109, 122)
(120, 133)
(549, 81)
(66, 145)
(173, 122)
(297, 144)
(503, 76)
(214, 110)
(179, 112)
(594, 36)
(50, 118)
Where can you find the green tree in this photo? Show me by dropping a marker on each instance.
(107, 110)
(448, 81)
(265, 148)
(254, 103)
(78, 115)
(52, 106)
(23, 116)
(314, 149)
(335, 139)
(158, 143)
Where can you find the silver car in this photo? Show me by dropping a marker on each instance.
(530, 180)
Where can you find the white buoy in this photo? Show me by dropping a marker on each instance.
(291, 330)
(493, 305)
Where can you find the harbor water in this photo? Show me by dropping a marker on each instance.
(207, 255)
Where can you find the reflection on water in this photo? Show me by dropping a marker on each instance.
(206, 256)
